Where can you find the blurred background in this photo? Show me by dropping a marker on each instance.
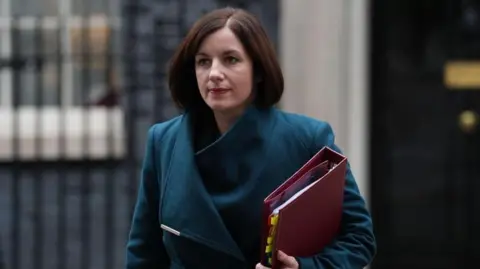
(82, 80)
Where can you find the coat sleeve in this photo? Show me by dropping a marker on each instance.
(355, 246)
(145, 247)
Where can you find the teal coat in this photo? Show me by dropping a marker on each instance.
(199, 206)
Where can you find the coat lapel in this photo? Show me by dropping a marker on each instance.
(186, 205)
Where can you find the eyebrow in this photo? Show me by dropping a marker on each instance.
(230, 51)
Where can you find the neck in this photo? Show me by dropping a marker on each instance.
(226, 120)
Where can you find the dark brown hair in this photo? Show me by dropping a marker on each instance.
(267, 72)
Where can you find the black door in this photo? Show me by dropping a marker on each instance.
(425, 146)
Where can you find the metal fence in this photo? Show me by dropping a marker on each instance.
(69, 154)
(66, 193)
(77, 95)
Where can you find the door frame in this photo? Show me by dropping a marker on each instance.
(326, 72)
(377, 77)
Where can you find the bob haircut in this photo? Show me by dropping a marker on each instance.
(267, 74)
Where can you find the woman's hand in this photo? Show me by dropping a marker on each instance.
(288, 262)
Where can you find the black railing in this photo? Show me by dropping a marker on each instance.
(69, 164)
(61, 195)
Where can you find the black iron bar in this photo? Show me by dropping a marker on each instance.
(38, 177)
(85, 85)
(16, 177)
(111, 88)
(61, 59)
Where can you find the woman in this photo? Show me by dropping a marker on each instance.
(206, 172)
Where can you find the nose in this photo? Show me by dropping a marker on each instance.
(216, 72)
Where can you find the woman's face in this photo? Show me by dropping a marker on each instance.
(224, 72)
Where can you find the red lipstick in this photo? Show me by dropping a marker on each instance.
(218, 90)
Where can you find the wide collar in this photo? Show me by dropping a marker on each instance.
(186, 204)
(249, 128)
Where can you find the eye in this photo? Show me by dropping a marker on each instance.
(232, 60)
(202, 62)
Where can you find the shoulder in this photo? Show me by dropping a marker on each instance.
(159, 132)
(312, 133)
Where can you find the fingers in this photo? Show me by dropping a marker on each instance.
(288, 261)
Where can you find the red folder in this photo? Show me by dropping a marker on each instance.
(303, 215)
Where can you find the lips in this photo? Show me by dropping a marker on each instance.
(218, 90)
